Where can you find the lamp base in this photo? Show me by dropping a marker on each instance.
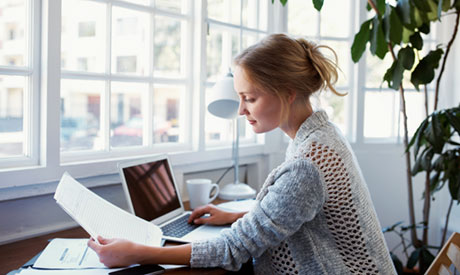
(237, 191)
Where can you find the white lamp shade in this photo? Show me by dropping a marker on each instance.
(224, 101)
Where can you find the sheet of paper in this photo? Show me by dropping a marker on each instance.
(101, 218)
(68, 253)
(32, 271)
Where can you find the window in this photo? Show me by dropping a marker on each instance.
(121, 79)
(130, 63)
(322, 28)
(375, 107)
(383, 121)
(17, 82)
(86, 29)
(232, 27)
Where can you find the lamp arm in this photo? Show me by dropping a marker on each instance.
(236, 149)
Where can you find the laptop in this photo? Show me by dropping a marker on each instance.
(153, 195)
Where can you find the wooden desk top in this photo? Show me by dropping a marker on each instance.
(14, 255)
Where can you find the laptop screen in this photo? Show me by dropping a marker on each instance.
(151, 189)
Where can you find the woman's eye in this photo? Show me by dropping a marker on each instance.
(249, 100)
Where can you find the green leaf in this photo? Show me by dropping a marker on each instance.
(318, 4)
(433, 14)
(416, 41)
(454, 188)
(417, 18)
(446, 5)
(396, 29)
(422, 5)
(426, 257)
(283, 2)
(403, 9)
(418, 137)
(393, 76)
(397, 263)
(360, 41)
(454, 121)
(406, 34)
(456, 4)
(378, 44)
(381, 6)
(437, 137)
(413, 259)
(425, 28)
(407, 57)
(424, 71)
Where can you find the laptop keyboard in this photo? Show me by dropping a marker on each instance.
(179, 227)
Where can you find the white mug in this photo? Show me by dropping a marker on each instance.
(199, 191)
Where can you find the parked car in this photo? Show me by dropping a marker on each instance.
(134, 128)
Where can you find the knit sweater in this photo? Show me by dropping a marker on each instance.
(313, 215)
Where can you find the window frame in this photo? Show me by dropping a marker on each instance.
(30, 95)
(39, 176)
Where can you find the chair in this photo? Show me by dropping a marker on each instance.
(450, 254)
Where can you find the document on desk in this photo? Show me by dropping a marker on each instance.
(102, 218)
(68, 253)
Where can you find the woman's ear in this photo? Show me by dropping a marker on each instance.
(291, 96)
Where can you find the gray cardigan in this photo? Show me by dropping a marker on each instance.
(314, 215)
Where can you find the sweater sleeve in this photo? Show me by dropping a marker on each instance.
(296, 196)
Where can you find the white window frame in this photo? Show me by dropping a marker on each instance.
(39, 176)
(31, 96)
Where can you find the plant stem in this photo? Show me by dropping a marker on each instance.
(426, 101)
(410, 193)
(449, 45)
(444, 231)
(426, 207)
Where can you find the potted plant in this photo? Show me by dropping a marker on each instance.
(396, 28)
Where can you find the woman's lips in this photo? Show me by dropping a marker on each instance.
(251, 121)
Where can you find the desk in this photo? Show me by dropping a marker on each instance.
(14, 255)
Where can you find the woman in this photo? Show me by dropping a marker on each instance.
(314, 214)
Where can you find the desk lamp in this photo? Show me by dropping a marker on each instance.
(224, 104)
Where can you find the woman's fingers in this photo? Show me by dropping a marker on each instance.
(197, 213)
(93, 245)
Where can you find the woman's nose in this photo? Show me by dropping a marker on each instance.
(242, 109)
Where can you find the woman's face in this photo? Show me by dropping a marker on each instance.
(262, 109)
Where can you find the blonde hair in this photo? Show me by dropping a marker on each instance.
(280, 64)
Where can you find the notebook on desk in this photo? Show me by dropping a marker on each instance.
(152, 194)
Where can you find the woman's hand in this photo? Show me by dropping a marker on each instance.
(116, 252)
(216, 216)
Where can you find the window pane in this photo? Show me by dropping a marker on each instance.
(171, 5)
(80, 114)
(11, 115)
(216, 129)
(302, 18)
(331, 11)
(225, 10)
(375, 70)
(335, 107)
(14, 32)
(249, 14)
(342, 49)
(249, 39)
(168, 114)
(415, 108)
(83, 38)
(126, 117)
(130, 36)
(222, 46)
(140, 2)
(168, 46)
(381, 111)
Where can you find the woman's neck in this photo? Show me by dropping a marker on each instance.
(298, 113)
